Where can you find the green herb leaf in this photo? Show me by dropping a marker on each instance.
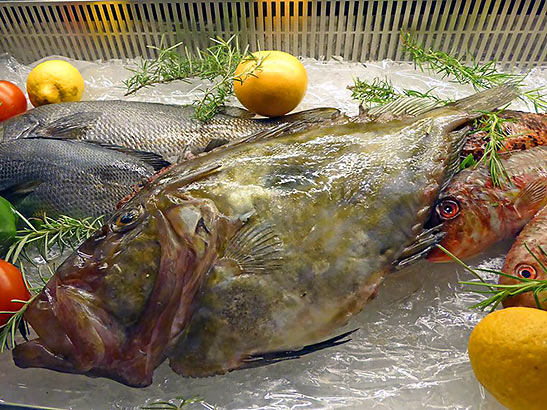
(44, 233)
(41, 234)
(468, 161)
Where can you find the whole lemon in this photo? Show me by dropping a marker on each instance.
(271, 84)
(508, 353)
(54, 81)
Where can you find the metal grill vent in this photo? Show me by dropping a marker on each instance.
(514, 32)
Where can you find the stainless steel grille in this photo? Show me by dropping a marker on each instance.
(514, 32)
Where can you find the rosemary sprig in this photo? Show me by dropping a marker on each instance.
(500, 292)
(172, 405)
(480, 76)
(15, 323)
(492, 125)
(44, 233)
(380, 92)
(377, 92)
(40, 234)
(216, 64)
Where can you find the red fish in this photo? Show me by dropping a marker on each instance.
(521, 263)
(524, 130)
(475, 214)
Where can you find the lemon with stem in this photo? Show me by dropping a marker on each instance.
(271, 83)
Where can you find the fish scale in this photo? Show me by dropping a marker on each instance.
(167, 130)
(54, 177)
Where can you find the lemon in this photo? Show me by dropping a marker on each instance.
(54, 81)
(275, 87)
(508, 353)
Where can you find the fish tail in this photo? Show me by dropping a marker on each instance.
(488, 100)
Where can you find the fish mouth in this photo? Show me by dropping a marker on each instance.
(438, 256)
(77, 335)
(52, 347)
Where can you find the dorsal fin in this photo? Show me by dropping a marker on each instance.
(311, 116)
(215, 143)
(154, 160)
(255, 247)
(17, 192)
(454, 158)
(403, 106)
(68, 127)
(237, 112)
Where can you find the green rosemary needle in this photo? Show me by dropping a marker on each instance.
(499, 292)
(43, 233)
(216, 65)
(177, 403)
(492, 125)
(479, 75)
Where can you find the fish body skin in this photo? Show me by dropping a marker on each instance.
(168, 130)
(71, 178)
(520, 263)
(258, 247)
(524, 130)
(489, 214)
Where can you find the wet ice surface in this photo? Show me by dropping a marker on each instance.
(409, 352)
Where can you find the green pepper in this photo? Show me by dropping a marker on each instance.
(8, 221)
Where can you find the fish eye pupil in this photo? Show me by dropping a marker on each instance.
(127, 218)
(448, 209)
(526, 272)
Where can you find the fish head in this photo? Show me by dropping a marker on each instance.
(115, 305)
(463, 213)
(522, 263)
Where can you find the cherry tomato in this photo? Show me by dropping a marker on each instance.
(11, 287)
(12, 100)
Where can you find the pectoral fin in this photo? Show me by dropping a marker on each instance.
(18, 192)
(255, 247)
(70, 127)
(534, 194)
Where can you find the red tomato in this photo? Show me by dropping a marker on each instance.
(11, 287)
(12, 100)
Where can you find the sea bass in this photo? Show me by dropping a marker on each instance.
(523, 264)
(168, 130)
(475, 214)
(238, 257)
(73, 178)
(523, 130)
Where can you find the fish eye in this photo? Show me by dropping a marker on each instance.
(526, 271)
(448, 209)
(127, 219)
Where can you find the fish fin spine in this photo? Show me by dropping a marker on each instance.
(255, 247)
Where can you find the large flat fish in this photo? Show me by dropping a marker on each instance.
(242, 256)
